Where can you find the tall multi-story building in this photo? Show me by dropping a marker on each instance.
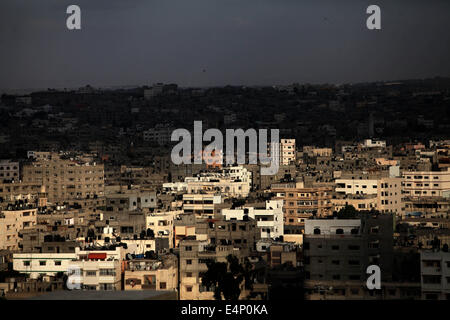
(98, 273)
(66, 179)
(14, 219)
(427, 183)
(9, 170)
(287, 151)
(383, 194)
(214, 240)
(300, 203)
(435, 275)
(203, 205)
(337, 252)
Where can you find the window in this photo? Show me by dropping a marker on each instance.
(42, 263)
(189, 289)
(432, 279)
(316, 231)
(335, 247)
(339, 231)
(107, 272)
(188, 248)
(335, 262)
(188, 261)
(91, 273)
(162, 285)
(57, 263)
(26, 263)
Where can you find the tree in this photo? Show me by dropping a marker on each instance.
(225, 278)
(348, 212)
(150, 233)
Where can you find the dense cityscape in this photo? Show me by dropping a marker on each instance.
(92, 205)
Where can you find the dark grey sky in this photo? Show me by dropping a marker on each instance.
(251, 42)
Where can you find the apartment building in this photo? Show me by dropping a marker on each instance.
(340, 250)
(97, 272)
(194, 255)
(162, 224)
(287, 151)
(66, 179)
(389, 195)
(42, 264)
(202, 205)
(356, 186)
(9, 170)
(427, 183)
(224, 186)
(435, 275)
(131, 200)
(269, 218)
(14, 219)
(49, 239)
(300, 203)
(10, 192)
(152, 274)
(430, 207)
(174, 187)
(127, 224)
(383, 194)
(184, 226)
(233, 181)
(160, 134)
(317, 152)
(214, 240)
(359, 202)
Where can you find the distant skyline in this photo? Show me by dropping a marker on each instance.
(201, 43)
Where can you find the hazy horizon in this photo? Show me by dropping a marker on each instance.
(211, 43)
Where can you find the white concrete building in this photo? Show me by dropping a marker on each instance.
(269, 219)
(370, 143)
(97, 273)
(36, 264)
